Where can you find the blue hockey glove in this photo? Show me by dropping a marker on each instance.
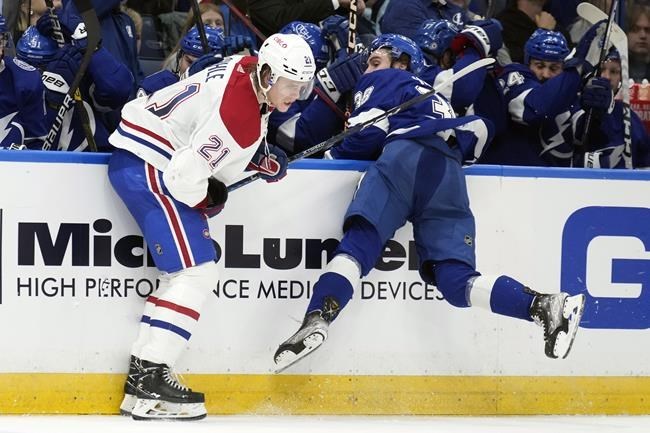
(235, 43)
(45, 26)
(72, 27)
(205, 61)
(482, 35)
(340, 77)
(217, 197)
(335, 29)
(270, 161)
(587, 53)
(597, 95)
(59, 74)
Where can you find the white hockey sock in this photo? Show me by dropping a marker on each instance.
(149, 307)
(177, 313)
(479, 291)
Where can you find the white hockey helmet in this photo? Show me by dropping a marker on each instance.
(288, 56)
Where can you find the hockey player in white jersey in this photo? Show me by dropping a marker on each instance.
(177, 149)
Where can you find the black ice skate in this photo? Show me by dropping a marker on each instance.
(130, 398)
(162, 396)
(559, 314)
(311, 335)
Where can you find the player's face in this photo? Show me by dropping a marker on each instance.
(379, 59)
(185, 62)
(612, 71)
(284, 93)
(544, 69)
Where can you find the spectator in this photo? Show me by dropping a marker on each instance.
(176, 24)
(638, 39)
(272, 15)
(137, 21)
(520, 19)
(404, 17)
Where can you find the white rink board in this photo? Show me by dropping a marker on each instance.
(520, 224)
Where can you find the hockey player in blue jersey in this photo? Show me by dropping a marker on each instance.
(106, 87)
(604, 146)
(540, 95)
(22, 112)
(418, 177)
(321, 114)
(191, 49)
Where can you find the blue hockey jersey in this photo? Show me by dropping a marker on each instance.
(534, 107)
(22, 107)
(382, 90)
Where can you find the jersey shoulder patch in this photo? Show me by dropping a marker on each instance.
(23, 65)
(243, 123)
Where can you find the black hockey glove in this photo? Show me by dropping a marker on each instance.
(217, 197)
(598, 96)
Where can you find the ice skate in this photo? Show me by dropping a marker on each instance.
(311, 335)
(559, 314)
(130, 398)
(161, 396)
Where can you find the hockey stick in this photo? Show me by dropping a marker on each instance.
(87, 13)
(603, 54)
(247, 22)
(198, 21)
(357, 127)
(60, 41)
(592, 15)
(352, 48)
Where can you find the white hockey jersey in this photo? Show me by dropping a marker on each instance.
(209, 124)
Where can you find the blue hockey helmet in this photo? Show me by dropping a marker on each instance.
(34, 48)
(613, 55)
(546, 45)
(399, 45)
(312, 34)
(191, 42)
(434, 36)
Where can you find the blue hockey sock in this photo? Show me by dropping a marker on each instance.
(502, 295)
(335, 287)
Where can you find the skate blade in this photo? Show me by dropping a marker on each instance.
(127, 404)
(574, 307)
(146, 410)
(287, 358)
